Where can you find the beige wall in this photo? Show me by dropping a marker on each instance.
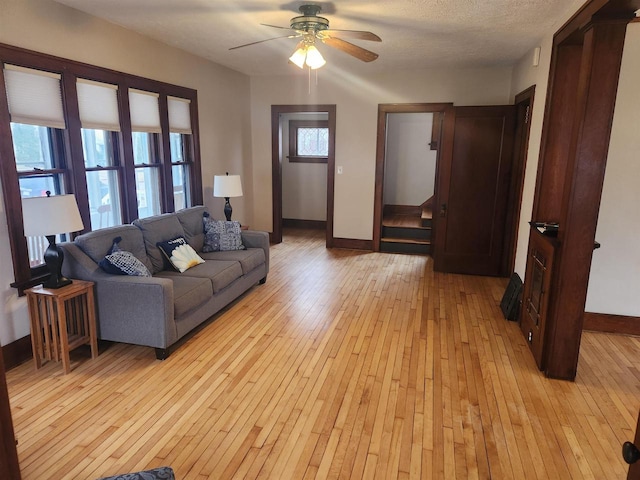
(615, 271)
(223, 102)
(614, 284)
(356, 99)
(410, 164)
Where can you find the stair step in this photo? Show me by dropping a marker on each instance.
(417, 233)
(404, 245)
(412, 241)
(426, 216)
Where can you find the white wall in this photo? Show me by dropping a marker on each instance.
(410, 164)
(304, 185)
(356, 99)
(223, 104)
(614, 284)
(615, 271)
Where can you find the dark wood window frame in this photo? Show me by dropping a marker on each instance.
(294, 125)
(75, 179)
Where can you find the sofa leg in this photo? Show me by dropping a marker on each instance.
(263, 281)
(162, 353)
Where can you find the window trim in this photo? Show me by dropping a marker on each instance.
(294, 125)
(73, 154)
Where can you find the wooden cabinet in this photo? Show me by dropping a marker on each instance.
(536, 292)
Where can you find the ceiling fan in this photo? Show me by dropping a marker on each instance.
(310, 27)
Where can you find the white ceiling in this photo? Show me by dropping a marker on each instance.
(415, 33)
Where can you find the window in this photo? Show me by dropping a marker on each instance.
(37, 123)
(180, 140)
(38, 161)
(147, 173)
(308, 141)
(98, 107)
(103, 178)
(75, 132)
(180, 169)
(145, 126)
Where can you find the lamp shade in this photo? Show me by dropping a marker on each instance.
(51, 215)
(299, 56)
(314, 58)
(227, 186)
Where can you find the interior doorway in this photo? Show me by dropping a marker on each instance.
(406, 173)
(280, 152)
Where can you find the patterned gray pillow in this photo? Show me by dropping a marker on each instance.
(121, 262)
(221, 236)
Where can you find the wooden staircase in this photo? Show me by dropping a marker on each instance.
(406, 229)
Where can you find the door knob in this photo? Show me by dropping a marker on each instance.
(443, 209)
(630, 453)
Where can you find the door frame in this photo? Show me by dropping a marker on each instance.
(523, 99)
(381, 147)
(276, 165)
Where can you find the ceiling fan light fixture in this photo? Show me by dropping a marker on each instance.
(299, 56)
(314, 58)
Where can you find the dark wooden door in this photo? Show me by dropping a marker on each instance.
(474, 190)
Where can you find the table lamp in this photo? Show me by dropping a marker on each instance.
(227, 186)
(49, 216)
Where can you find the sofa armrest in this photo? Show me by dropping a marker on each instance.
(257, 239)
(130, 309)
(136, 310)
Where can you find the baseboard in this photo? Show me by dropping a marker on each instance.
(17, 352)
(310, 224)
(352, 244)
(602, 322)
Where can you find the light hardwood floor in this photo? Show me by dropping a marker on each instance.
(345, 364)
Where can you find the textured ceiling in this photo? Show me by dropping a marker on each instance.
(415, 33)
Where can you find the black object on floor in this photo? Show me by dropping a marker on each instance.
(510, 304)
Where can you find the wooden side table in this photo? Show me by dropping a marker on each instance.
(62, 319)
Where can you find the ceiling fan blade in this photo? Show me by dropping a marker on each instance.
(262, 41)
(360, 35)
(351, 49)
(275, 26)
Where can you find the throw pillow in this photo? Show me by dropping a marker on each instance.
(221, 236)
(180, 254)
(121, 262)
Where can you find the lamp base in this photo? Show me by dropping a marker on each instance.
(53, 258)
(227, 209)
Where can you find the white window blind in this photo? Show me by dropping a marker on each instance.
(98, 104)
(179, 115)
(145, 113)
(34, 96)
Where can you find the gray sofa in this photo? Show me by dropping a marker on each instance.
(159, 310)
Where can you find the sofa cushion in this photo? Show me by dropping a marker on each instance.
(180, 254)
(220, 272)
(188, 292)
(220, 235)
(98, 243)
(249, 258)
(191, 221)
(158, 229)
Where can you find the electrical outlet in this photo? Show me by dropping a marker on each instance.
(340, 170)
